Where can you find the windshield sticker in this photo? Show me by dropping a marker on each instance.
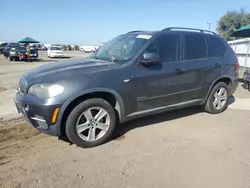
(144, 36)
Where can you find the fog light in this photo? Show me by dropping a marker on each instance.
(26, 107)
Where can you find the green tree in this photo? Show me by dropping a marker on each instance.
(231, 21)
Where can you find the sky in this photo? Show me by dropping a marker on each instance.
(91, 22)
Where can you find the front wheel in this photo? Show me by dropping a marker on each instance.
(91, 123)
(11, 58)
(217, 101)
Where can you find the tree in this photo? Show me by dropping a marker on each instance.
(76, 47)
(69, 47)
(231, 21)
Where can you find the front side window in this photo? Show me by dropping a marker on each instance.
(122, 48)
(194, 46)
(167, 47)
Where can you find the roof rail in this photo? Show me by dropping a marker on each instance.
(134, 31)
(191, 29)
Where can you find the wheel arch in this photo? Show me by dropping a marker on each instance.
(110, 95)
(226, 79)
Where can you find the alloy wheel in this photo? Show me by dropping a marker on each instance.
(92, 124)
(220, 98)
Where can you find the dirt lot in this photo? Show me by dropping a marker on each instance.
(185, 148)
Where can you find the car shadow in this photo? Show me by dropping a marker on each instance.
(122, 129)
(47, 60)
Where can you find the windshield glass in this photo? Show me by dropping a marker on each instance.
(122, 48)
(55, 48)
(21, 48)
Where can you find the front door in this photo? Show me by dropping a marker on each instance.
(160, 85)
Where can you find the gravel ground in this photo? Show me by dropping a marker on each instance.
(184, 148)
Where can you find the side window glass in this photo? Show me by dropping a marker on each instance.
(216, 47)
(195, 46)
(167, 47)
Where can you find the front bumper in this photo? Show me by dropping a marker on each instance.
(37, 112)
(56, 55)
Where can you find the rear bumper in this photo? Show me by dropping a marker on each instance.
(233, 87)
(37, 113)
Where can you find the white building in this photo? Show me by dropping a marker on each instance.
(242, 49)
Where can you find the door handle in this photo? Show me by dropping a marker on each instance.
(216, 65)
(180, 70)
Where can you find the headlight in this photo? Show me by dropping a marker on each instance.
(12, 52)
(46, 91)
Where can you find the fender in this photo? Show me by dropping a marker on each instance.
(211, 86)
(119, 105)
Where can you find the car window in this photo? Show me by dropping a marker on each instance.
(167, 47)
(55, 48)
(194, 46)
(216, 48)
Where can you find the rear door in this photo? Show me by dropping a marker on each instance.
(196, 61)
(216, 55)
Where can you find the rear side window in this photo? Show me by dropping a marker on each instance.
(216, 48)
(195, 46)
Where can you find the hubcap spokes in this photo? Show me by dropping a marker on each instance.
(220, 98)
(93, 123)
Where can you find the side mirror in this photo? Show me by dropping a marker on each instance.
(150, 59)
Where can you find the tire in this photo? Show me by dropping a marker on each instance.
(248, 86)
(209, 107)
(11, 58)
(75, 114)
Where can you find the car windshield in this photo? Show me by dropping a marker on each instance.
(55, 48)
(21, 48)
(122, 48)
(14, 45)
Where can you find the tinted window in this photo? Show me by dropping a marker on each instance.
(216, 47)
(167, 47)
(195, 46)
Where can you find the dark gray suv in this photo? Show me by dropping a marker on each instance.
(135, 74)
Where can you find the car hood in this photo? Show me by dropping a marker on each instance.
(70, 68)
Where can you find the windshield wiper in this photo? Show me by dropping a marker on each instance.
(112, 58)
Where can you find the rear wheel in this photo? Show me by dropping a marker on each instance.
(91, 123)
(217, 101)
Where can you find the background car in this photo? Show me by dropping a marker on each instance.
(55, 51)
(16, 52)
(88, 49)
(7, 47)
(2, 45)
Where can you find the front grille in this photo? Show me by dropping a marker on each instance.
(22, 86)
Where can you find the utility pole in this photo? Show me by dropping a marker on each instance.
(209, 25)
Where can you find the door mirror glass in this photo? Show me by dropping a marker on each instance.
(150, 59)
